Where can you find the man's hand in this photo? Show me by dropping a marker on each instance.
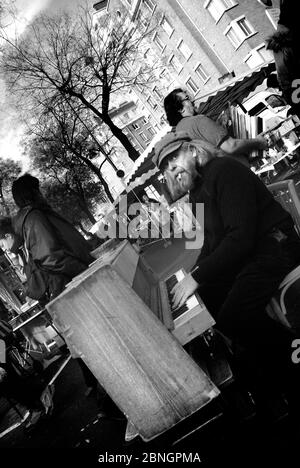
(183, 290)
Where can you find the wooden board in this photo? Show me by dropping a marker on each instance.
(139, 363)
(122, 257)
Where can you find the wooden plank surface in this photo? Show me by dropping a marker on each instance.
(138, 362)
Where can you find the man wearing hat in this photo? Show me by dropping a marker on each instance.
(250, 244)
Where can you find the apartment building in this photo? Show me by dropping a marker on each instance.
(136, 122)
(204, 42)
(196, 44)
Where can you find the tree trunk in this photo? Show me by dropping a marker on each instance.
(123, 139)
(116, 131)
(96, 171)
(106, 187)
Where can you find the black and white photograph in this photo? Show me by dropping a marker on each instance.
(150, 231)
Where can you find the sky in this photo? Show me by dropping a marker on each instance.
(10, 128)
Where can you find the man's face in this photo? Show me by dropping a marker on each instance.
(6, 242)
(180, 173)
(188, 107)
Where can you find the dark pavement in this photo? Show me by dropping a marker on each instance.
(76, 422)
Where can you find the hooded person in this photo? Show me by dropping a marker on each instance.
(57, 249)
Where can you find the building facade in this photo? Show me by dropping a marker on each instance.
(204, 42)
(196, 44)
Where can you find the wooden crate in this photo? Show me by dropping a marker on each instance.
(139, 363)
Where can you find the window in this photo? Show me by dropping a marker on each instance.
(157, 40)
(140, 88)
(152, 102)
(142, 20)
(151, 131)
(143, 136)
(263, 52)
(239, 30)
(245, 27)
(253, 60)
(165, 75)
(147, 54)
(191, 85)
(167, 26)
(258, 56)
(176, 64)
(157, 93)
(202, 73)
(162, 119)
(150, 5)
(135, 126)
(217, 7)
(126, 67)
(184, 49)
(152, 192)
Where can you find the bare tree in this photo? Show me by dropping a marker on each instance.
(73, 194)
(70, 185)
(64, 58)
(9, 170)
(63, 138)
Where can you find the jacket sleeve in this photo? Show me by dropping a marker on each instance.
(44, 247)
(236, 201)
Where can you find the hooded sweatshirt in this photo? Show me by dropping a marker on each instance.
(57, 248)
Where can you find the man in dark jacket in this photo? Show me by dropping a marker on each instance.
(58, 250)
(250, 244)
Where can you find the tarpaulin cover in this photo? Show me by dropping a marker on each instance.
(233, 91)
